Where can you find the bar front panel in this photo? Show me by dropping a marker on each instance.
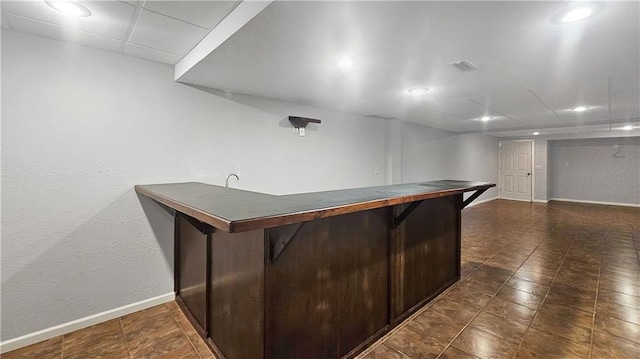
(236, 311)
(425, 247)
(191, 268)
(327, 291)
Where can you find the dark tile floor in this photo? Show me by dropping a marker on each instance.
(158, 332)
(539, 281)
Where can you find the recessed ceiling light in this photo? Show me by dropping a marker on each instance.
(485, 118)
(577, 14)
(536, 133)
(418, 90)
(628, 128)
(579, 108)
(345, 63)
(70, 8)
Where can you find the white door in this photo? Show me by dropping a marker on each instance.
(515, 170)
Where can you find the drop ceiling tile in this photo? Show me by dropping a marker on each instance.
(205, 14)
(151, 54)
(108, 18)
(166, 34)
(52, 31)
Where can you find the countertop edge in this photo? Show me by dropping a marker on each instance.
(196, 213)
(243, 225)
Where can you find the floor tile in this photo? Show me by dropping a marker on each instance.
(457, 311)
(577, 297)
(504, 328)
(108, 333)
(552, 346)
(198, 343)
(144, 331)
(468, 297)
(513, 295)
(172, 345)
(526, 354)
(617, 327)
(528, 286)
(436, 325)
(512, 311)
(619, 311)
(532, 276)
(493, 274)
(455, 353)
(385, 352)
(566, 312)
(415, 344)
(619, 298)
(611, 347)
(476, 284)
(484, 345)
(563, 326)
(114, 350)
(47, 349)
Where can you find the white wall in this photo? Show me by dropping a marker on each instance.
(431, 154)
(81, 127)
(542, 156)
(597, 169)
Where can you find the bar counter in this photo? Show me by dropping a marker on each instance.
(313, 275)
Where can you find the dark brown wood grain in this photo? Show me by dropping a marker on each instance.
(236, 312)
(323, 276)
(426, 252)
(191, 269)
(328, 290)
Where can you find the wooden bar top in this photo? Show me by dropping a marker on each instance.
(234, 210)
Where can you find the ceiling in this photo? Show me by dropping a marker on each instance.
(161, 31)
(531, 70)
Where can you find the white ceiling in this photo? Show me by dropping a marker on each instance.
(531, 71)
(162, 31)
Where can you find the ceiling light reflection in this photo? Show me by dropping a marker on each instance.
(577, 14)
(70, 8)
(345, 63)
(418, 90)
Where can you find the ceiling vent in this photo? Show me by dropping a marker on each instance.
(464, 65)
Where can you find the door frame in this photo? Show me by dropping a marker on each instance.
(533, 173)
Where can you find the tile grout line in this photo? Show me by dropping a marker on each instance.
(422, 310)
(428, 305)
(450, 344)
(595, 306)
(184, 333)
(535, 315)
(126, 342)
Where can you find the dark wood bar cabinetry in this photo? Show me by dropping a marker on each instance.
(317, 275)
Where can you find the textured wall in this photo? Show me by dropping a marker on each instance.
(81, 127)
(587, 170)
(431, 154)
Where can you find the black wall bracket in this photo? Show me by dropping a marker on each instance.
(397, 221)
(473, 197)
(204, 228)
(282, 242)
